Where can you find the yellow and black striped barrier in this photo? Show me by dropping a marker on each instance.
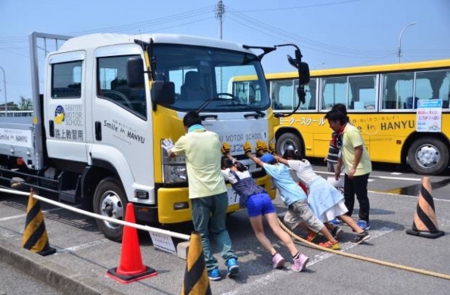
(425, 222)
(196, 279)
(35, 236)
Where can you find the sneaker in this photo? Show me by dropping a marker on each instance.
(232, 267)
(311, 235)
(330, 245)
(364, 225)
(214, 275)
(278, 261)
(364, 236)
(336, 231)
(300, 263)
(336, 222)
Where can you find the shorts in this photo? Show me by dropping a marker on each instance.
(259, 204)
(299, 212)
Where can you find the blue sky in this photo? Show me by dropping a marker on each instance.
(330, 33)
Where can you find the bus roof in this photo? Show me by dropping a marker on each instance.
(423, 65)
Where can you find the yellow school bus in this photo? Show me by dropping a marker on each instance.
(402, 111)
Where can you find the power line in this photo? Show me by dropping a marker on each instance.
(115, 29)
(318, 46)
(301, 7)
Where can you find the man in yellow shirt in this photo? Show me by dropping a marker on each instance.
(207, 190)
(357, 165)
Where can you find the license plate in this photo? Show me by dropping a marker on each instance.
(233, 197)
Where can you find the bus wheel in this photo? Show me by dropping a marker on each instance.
(110, 201)
(428, 156)
(288, 141)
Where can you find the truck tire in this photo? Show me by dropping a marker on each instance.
(428, 156)
(110, 200)
(288, 141)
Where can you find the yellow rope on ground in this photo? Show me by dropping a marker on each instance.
(368, 259)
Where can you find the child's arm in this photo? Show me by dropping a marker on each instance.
(248, 153)
(281, 159)
(255, 159)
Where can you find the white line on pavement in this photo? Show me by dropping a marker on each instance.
(405, 196)
(23, 215)
(378, 177)
(272, 277)
(83, 246)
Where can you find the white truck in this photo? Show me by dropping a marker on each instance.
(107, 102)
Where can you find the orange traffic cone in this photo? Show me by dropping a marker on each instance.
(196, 281)
(425, 222)
(131, 267)
(35, 236)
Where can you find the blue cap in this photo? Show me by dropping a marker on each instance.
(267, 158)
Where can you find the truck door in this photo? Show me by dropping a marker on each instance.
(65, 106)
(121, 121)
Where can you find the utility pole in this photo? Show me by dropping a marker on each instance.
(220, 11)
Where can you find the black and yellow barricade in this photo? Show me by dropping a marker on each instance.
(196, 281)
(35, 236)
(425, 222)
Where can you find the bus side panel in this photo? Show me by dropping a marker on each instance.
(321, 144)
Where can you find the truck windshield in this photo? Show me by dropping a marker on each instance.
(203, 74)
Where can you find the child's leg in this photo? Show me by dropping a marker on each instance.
(347, 219)
(326, 233)
(305, 213)
(329, 225)
(258, 228)
(284, 237)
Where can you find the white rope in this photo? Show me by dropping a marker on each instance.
(98, 216)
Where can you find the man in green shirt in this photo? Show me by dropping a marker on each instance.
(357, 165)
(207, 190)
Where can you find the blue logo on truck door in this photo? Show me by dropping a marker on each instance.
(59, 115)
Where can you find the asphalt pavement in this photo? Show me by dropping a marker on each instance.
(84, 256)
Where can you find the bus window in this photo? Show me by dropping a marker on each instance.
(334, 90)
(361, 93)
(283, 94)
(397, 88)
(310, 98)
(433, 85)
(247, 91)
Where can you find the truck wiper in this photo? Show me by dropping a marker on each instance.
(249, 107)
(208, 102)
(232, 99)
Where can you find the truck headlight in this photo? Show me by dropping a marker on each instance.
(174, 169)
(174, 173)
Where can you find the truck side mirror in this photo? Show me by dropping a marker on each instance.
(135, 72)
(302, 67)
(163, 92)
(303, 72)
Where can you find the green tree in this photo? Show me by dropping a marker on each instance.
(25, 104)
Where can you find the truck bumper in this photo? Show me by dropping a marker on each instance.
(174, 205)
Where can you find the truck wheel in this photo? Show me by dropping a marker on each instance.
(428, 156)
(288, 141)
(110, 201)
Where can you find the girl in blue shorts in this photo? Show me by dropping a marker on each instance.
(259, 204)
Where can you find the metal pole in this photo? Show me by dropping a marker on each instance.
(220, 10)
(4, 86)
(399, 52)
